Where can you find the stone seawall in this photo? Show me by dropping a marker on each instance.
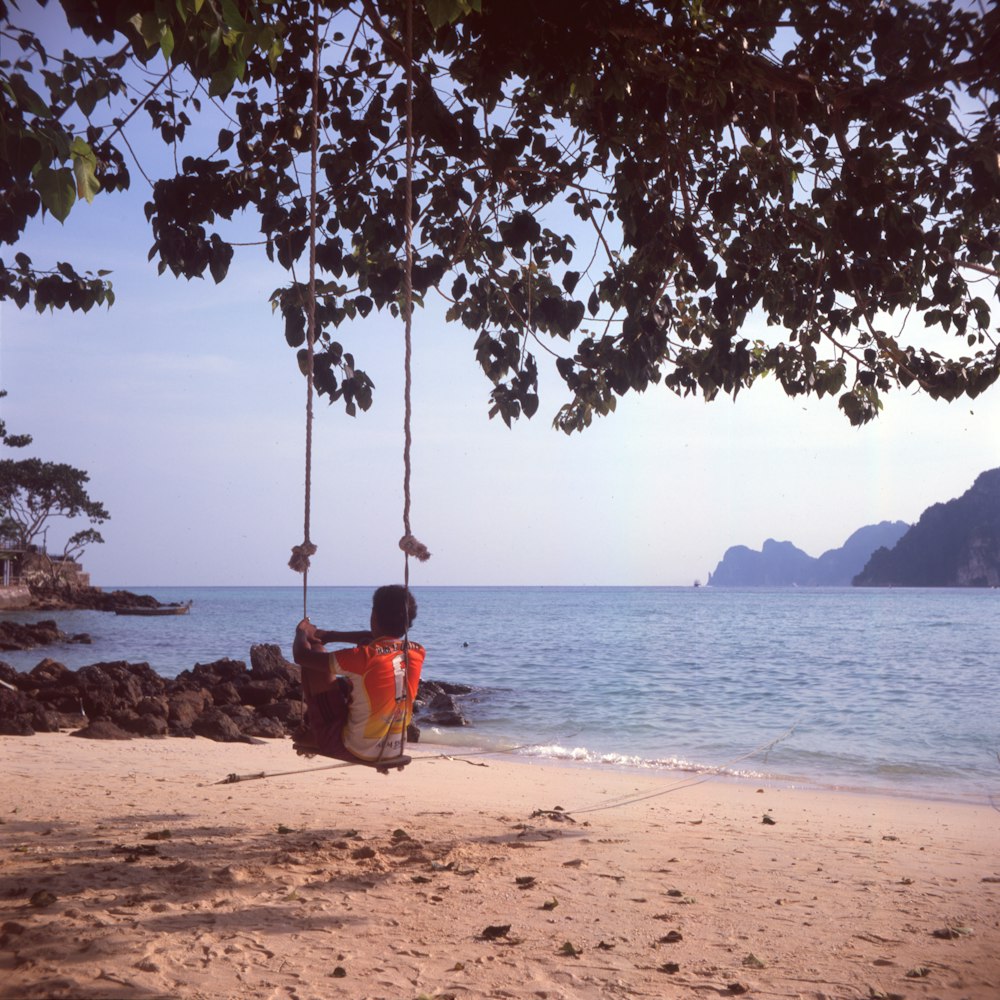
(15, 598)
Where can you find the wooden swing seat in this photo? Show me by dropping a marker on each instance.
(383, 766)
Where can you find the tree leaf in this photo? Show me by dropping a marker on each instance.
(442, 12)
(57, 190)
(166, 42)
(86, 98)
(148, 25)
(223, 80)
(27, 98)
(233, 17)
(84, 169)
(221, 258)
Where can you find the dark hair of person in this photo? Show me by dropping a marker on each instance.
(390, 606)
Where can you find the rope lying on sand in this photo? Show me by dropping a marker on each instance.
(232, 779)
(684, 782)
(690, 782)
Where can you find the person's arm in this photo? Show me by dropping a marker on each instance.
(307, 648)
(360, 638)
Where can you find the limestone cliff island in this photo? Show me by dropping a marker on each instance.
(954, 544)
(781, 564)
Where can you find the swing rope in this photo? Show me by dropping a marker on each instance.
(301, 553)
(409, 544)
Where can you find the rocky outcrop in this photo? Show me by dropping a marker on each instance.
(954, 544)
(781, 564)
(14, 635)
(222, 701)
(49, 583)
(63, 598)
(439, 703)
(23, 713)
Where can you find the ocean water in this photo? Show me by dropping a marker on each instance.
(883, 690)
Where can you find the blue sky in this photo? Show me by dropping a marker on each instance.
(186, 407)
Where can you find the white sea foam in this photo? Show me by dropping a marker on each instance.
(583, 755)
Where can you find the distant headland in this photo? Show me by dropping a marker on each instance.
(954, 544)
(781, 564)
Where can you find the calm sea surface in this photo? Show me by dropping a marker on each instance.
(888, 690)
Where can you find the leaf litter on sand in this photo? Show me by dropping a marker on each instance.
(950, 933)
(495, 931)
(556, 812)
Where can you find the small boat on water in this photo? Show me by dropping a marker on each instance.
(163, 609)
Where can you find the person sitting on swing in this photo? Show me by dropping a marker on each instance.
(359, 700)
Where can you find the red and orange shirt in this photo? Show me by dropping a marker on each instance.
(378, 674)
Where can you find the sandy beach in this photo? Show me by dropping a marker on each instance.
(127, 872)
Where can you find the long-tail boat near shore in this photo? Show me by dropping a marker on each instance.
(163, 609)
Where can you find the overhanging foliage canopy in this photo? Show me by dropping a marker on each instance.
(621, 184)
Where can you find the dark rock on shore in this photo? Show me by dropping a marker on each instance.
(76, 598)
(109, 688)
(23, 715)
(214, 724)
(102, 729)
(437, 703)
(14, 635)
(222, 701)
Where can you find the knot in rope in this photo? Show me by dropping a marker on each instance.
(300, 556)
(412, 547)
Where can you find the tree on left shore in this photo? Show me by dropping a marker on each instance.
(33, 492)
